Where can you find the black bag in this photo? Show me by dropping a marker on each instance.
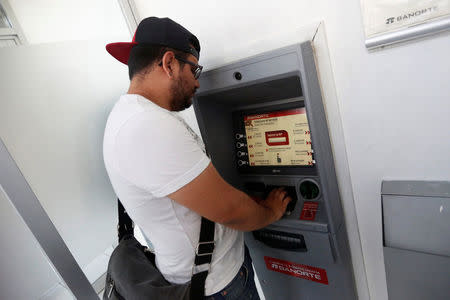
(132, 273)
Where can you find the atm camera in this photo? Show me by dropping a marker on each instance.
(237, 75)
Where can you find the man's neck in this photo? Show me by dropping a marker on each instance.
(152, 92)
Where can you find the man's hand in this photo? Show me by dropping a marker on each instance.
(277, 201)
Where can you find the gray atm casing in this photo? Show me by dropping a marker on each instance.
(275, 80)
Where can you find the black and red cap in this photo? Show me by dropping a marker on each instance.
(157, 31)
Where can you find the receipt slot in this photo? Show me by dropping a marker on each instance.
(263, 123)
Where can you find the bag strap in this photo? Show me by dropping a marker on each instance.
(126, 225)
(203, 252)
(203, 257)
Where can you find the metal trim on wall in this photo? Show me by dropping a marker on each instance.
(131, 15)
(12, 20)
(408, 33)
(30, 209)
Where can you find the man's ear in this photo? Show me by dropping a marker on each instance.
(168, 63)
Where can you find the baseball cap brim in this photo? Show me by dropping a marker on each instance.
(120, 51)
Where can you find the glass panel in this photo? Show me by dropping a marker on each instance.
(4, 22)
(65, 169)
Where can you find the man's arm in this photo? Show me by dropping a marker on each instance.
(212, 197)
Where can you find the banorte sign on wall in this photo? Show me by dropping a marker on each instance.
(382, 16)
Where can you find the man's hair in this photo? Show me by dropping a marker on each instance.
(143, 57)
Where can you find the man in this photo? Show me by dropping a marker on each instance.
(160, 171)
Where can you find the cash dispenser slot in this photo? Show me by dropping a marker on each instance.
(256, 189)
(281, 240)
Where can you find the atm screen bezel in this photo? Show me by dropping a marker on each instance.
(238, 124)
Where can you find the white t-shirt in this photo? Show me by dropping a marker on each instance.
(149, 153)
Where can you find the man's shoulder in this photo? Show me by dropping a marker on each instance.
(133, 110)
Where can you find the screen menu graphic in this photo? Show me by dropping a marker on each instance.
(281, 138)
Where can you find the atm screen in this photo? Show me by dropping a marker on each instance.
(279, 138)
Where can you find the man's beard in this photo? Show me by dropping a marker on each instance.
(180, 99)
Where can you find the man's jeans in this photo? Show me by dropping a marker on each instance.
(242, 287)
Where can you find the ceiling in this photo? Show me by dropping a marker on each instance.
(49, 21)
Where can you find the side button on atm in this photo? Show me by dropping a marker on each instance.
(242, 163)
(241, 153)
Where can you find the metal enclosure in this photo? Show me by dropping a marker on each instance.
(416, 239)
(296, 257)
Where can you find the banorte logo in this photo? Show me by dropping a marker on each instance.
(392, 20)
(257, 117)
(296, 270)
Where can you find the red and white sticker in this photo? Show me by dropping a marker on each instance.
(296, 270)
(309, 211)
(277, 138)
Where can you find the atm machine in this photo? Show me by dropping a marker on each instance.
(263, 123)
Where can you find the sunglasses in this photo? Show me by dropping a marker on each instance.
(196, 70)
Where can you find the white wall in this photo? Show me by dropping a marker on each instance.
(394, 103)
(53, 107)
(396, 126)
